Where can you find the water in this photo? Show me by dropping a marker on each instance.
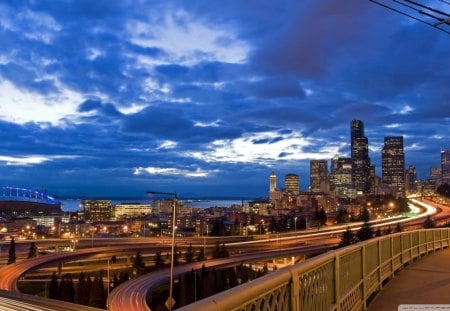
(72, 205)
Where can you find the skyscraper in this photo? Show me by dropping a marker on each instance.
(273, 182)
(360, 157)
(393, 164)
(292, 183)
(445, 166)
(341, 176)
(318, 174)
(410, 179)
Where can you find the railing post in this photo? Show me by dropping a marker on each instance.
(363, 267)
(392, 255)
(379, 264)
(337, 282)
(295, 291)
(411, 258)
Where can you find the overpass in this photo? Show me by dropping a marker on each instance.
(344, 279)
(9, 277)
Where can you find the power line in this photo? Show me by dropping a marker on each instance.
(419, 8)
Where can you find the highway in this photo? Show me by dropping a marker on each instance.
(133, 292)
(131, 295)
(12, 301)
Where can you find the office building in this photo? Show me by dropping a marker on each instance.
(97, 210)
(436, 176)
(128, 210)
(272, 182)
(318, 174)
(341, 176)
(393, 164)
(292, 183)
(410, 179)
(445, 166)
(360, 157)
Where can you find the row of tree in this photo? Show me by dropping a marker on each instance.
(196, 285)
(366, 231)
(32, 252)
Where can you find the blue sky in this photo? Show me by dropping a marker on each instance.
(206, 98)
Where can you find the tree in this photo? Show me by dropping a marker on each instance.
(189, 255)
(365, 215)
(224, 252)
(402, 205)
(12, 252)
(87, 291)
(428, 223)
(32, 252)
(67, 292)
(216, 252)
(342, 216)
(81, 289)
(97, 294)
(444, 190)
(53, 287)
(201, 254)
(365, 232)
(159, 262)
(378, 233)
(347, 238)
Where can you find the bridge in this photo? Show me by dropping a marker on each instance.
(344, 279)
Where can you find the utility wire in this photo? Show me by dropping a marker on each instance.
(440, 20)
(412, 17)
(428, 8)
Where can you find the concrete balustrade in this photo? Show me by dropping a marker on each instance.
(343, 279)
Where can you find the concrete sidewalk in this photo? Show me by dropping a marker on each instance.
(426, 281)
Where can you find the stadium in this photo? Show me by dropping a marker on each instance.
(20, 202)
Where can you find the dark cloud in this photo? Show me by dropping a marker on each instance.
(310, 68)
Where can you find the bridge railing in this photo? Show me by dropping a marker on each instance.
(343, 279)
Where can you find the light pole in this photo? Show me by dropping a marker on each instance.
(204, 241)
(170, 301)
(295, 223)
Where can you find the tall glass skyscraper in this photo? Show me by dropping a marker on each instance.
(393, 164)
(445, 166)
(360, 157)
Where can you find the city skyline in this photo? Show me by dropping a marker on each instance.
(202, 99)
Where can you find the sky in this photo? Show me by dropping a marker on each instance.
(207, 98)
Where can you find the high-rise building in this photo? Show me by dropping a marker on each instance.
(97, 210)
(393, 164)
(273, 182)
(292, 183)
(318, 174)
(410, 179)
(436, 176)
(445, 166)
(360, 157)
(341, 176)
(128, 210)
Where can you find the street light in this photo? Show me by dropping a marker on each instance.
(170, 301)
(295, 223)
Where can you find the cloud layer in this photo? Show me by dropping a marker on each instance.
(117, 98)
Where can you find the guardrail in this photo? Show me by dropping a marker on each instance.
(343, 279)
